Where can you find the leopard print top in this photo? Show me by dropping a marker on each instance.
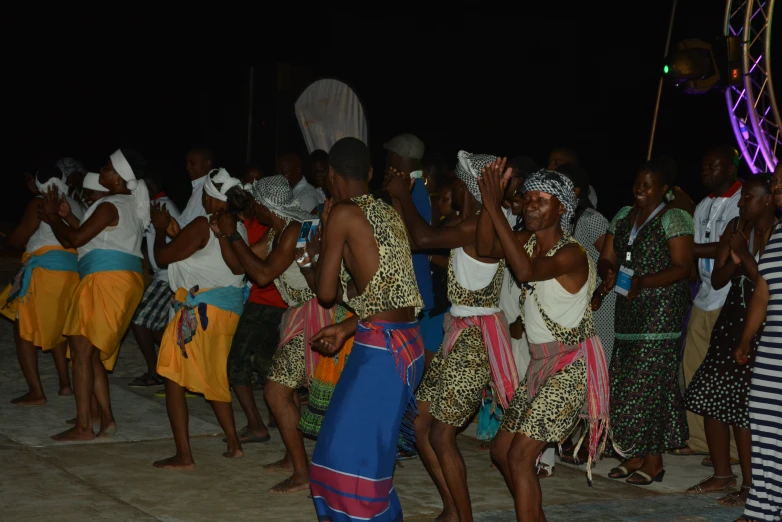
(293, 297)
(586, 328)
(394, 285)
(487, 297)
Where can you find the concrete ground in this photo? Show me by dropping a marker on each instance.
(114, 480)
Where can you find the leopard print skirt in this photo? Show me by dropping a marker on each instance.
(453, 386)
(553, 413)
(287, 366)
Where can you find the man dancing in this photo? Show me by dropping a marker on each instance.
(567, 368)
(353, 464)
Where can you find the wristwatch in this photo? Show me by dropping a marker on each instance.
(236, 236)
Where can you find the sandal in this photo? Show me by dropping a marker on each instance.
(698, 490)
(708, 463)
(146, 381)
(647, 478)
(734, 499)
(620, 472)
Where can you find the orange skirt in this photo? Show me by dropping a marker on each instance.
(205, 370)
(102, 308)
(41, 313)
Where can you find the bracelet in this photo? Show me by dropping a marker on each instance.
(219, 235)
(315, 259)
(306, 269)
(233, 238)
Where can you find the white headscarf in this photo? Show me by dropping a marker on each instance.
(43, 188)
(220, 177)
(137, 190)
(91, 182)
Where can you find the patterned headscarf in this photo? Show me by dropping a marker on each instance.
(559, 186)
(469, 167)
(274, 193)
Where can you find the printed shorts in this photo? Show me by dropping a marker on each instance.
(453, 386)
(288, 366)
(553, 413)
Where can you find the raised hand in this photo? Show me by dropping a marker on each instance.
(226, 222)
(158, 216)
(302, 257)
(51, 202)
(739, 248)
(398, 183)
(29, 181)
(490, 183)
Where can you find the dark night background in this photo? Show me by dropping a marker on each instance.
(504, 85)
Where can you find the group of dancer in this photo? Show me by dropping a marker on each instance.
(349, 321)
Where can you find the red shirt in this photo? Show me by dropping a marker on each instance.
(263, 295)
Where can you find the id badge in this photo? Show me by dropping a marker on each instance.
(624, 280)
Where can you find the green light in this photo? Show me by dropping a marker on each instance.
(665, 69)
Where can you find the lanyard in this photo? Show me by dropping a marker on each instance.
(636, 229)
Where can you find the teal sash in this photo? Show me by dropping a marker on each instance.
(108, 261)
(59, 260)
(228, 298)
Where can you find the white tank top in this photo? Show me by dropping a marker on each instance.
(125, 237)
(561, 306)
(206, 267)
(44, 236)
(472, 274)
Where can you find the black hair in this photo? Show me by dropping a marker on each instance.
(206, 153)
(580, 180)
(567, 150)
(664, 167)
(729, 153)
(439, 166)
(154, 176)
(524, 164)
(764, 179)
(349, 158)
(319, 155)
(252, 166)
(44, 174)
(136, 162)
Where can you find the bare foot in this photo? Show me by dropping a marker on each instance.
(175, 462)
(282, 466)
(29, 399)
(65, 391)
(234, 453)
(292, 484)
(74, 434)
(72, 422)
(107, 431)
(448, 515)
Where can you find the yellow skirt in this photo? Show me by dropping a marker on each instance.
(205, 370)
(102, 308)
(41, 313)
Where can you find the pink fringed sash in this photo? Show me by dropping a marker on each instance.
(309, 318)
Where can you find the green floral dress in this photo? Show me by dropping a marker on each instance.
(647, 408)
